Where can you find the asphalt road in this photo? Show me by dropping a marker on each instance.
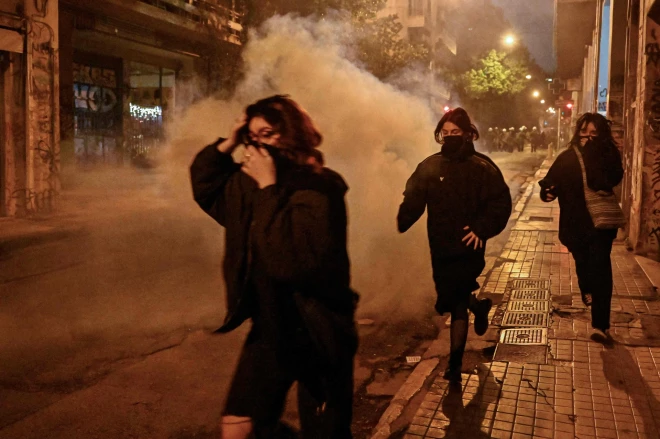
(105, 330)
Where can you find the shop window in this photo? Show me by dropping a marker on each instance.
(97, 114)
(150, 102)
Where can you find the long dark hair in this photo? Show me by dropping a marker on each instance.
(602, 124)
(459, 117)
(298, 135)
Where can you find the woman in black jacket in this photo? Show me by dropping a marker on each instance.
(286, 268)
(468, 203)
(590, 247)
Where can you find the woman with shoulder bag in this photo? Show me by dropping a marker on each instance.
(583, 178)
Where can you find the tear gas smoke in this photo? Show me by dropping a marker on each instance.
(374, 135)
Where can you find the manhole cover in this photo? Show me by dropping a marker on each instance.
(525, 319)
(531, 336)
(530, 295)
(531, 284)
(547, 219)
(528, 305)
(536, 354)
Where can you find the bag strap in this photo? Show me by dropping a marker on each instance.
(584, 172)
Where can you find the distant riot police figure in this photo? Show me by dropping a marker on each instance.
(535, 139)
(286, 268)
(590, 246)
(468, 203)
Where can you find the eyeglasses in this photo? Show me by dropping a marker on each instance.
(250, 138)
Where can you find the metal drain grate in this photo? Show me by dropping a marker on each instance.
(528, 305)
(531, 284)
(530, 295)
(525, 319)
(531, 336)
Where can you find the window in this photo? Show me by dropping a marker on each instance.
(415, 8)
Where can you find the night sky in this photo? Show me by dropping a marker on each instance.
(532, 22)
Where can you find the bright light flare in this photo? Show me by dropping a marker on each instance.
(528, 77)
(569, 106)
(543, 101)
(536, 94)
(446, 108)
(509, 40)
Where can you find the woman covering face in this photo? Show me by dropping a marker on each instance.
(591, 247)
(468, 203)
(286, 268)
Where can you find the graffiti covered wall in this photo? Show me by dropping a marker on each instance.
(649, 152)
(29, 82)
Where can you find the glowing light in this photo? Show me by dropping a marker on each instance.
(528, 76)
(543, 101)
(446, 108)
(569, 105)
(536, 94)
(147, 113)
(509, 40)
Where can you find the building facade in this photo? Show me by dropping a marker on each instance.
(429, 21)
(88, 84)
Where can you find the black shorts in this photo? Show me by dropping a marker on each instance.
(264, 376)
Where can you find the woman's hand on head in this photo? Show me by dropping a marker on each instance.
(234, 138)
(259, 165)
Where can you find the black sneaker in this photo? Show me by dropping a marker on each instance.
(481, 316)
(453, 375)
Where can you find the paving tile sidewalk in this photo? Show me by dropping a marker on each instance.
(582, 388)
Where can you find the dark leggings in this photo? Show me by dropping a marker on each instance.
(459, 330)
(594, 272)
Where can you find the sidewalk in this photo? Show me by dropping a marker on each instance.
(547, 379)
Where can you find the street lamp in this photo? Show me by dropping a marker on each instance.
(536, 94)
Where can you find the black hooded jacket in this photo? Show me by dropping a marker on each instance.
(281, 241)
(460, 188)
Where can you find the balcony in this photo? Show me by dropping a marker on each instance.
(179, 20)
(222, 14)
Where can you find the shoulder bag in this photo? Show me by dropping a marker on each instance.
(603, 206)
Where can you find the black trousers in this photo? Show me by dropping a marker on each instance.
(594, 272)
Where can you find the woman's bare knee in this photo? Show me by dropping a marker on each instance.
(235, 427)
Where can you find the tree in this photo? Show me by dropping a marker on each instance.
(378, 46)
(495, 74)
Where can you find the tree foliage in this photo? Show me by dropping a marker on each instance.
(495, 74)
(379, 44)
(381, 49)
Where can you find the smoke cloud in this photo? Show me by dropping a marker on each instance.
(374, 135)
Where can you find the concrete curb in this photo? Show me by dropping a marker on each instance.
(410, 388)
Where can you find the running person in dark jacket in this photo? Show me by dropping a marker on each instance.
(468, 203)
(589, 246)
(286, 268)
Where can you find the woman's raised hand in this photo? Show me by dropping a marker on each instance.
(259, 165)
(234, 139)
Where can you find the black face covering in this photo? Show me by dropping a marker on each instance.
(457, 147)
(451, 144)
(279, 155)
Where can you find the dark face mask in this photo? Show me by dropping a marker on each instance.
(278, 154)
(451, 144)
